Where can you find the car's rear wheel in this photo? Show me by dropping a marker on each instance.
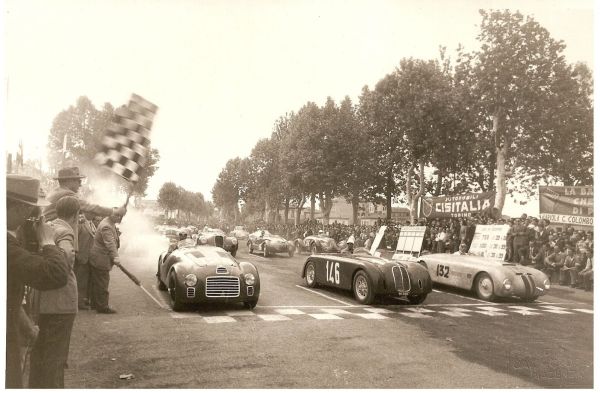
(176, 305)
(291, 252)
(363, 289)
(310, 275)
(417, 299)
(250, 304)
(484, 287)
(313, 248)
(265, 251)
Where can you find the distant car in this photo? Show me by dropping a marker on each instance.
(216, 237)
(368, 276)
(316, 244)
(489, 278)
(267, 243)
(206, 274)
(239, 233)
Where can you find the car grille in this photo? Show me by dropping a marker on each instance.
(530, 289)
(222, 287)
(191, 292)
(401, 279)
(219, 241)
(222, 270)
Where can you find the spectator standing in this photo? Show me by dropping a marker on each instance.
(104, 254)
(57, 307)
(86, 231)
(43, 271)
(568, 272)
(520, 239)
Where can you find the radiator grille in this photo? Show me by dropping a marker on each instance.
(191, 292)
(401, 279)
(222, 287)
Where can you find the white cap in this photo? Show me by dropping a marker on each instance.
(350, 240)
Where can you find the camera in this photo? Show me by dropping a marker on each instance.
(30, 240)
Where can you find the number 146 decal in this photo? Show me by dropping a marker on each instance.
(333, 272)
(442, 271)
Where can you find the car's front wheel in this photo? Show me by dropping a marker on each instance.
(161, 285)
(176, 305)
(265, 251)
(363, 289)
(310, 275)
(484, 287)
(250, 304)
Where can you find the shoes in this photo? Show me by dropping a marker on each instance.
(106, 310)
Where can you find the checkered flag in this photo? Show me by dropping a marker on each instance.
(127, 139)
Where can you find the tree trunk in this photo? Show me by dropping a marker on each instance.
(501, 154)
(355, 209)
(326, 205)
(438, 186)
(312, 206)
(286, 210)
(389, 193)
(299, 209)
(267, 212)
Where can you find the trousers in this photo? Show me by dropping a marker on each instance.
(82, 273)
(51, 351)
(99, 288)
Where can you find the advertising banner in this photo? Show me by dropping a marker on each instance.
(566, 205)
(490, 241)
(463, 205)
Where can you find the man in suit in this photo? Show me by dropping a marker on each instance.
(45, 270)
(104, 254)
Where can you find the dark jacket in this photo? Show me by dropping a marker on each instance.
(105, 246)
(46, 271)
(86, 233)
(50, 211)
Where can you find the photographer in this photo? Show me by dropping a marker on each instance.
(44, 271)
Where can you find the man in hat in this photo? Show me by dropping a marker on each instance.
(69, 182)
(104, 254)
(44, 271)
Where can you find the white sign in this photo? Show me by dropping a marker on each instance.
(490, 241)
(377, 239)
(567, 219)
(410, 242)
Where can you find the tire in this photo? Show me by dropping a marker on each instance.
(265, 251)
(250, 248)
(161, 285)
(298, 249)
(310, 275)
(363, 288)
(417, 299)
(290, 252)
(484, 287)
(313, 248)
(250, 305)
(530, 299)
(176, 305)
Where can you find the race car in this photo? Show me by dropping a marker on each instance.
(239, 233)
(316, 244)
(489, 278)
(216, 237)
(368, 276)
(268, 244)
(206, 274)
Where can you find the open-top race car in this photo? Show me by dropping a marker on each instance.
(368, 276)
(216, 237)
(267, 243)
(488, 277)
(316, 244)
(206, 274)
(239, 233)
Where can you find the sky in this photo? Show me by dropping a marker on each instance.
(223, 71)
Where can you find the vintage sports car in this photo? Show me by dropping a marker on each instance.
(268, 244)
(316, 244)
(216, 237)
(206, 274)
(239, 233)
(489, 278)
(368, 276)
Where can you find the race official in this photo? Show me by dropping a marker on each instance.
(103, 256)
(57, 307)
(86, 231)
(43, 271)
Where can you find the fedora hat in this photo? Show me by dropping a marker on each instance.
(24, 189)
(69, 173)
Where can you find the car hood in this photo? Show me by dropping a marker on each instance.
(472, 259)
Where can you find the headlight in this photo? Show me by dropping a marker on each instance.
(190, 280)
(507, 284)
(203, 240)
(249, 278)
(234, 240)
(546, 284)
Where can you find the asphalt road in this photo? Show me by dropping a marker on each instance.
(303, 338)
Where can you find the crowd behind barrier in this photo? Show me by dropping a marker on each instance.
(564, 254)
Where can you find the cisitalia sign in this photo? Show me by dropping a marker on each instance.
(463, 205)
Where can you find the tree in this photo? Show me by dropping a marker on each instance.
(168, 197)
(230, 187)
(516, 81)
